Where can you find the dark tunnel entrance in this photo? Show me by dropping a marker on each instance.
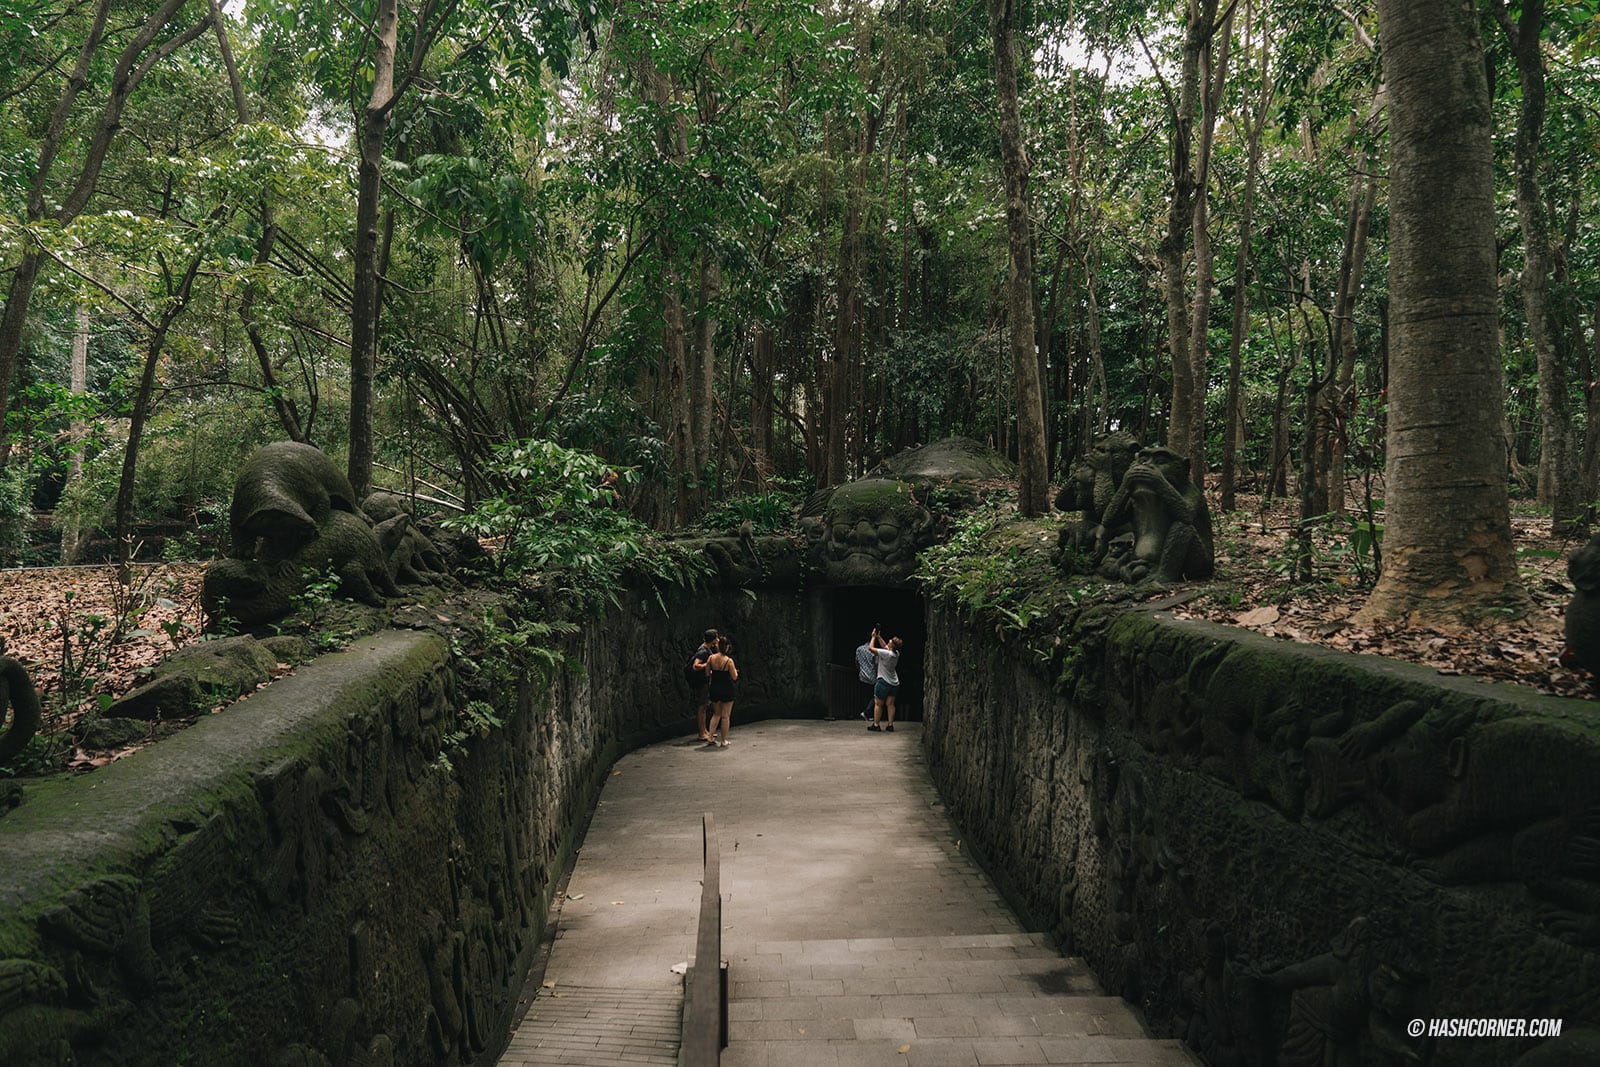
(851, 612)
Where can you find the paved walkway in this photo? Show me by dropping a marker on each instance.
(855, 928)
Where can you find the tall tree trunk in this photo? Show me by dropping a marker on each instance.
(282, 403)
(1096, 391)
(849, 321)
(1558, 452)
(1591, 437)
(680, 431)
(1448, 551)
(1341, 404)
(1033, 490)
(373, 126)
(72, 534)
(1186, 391)
(675, 378)
(762, 368)
(1214, 76)
(1233, 413)
(703, 370)
(176, 302)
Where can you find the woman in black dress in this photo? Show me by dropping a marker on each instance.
(723, 676)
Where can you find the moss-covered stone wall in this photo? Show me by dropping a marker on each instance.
(328, 872)
(1282, 853)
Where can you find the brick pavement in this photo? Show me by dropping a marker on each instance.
(855, 927)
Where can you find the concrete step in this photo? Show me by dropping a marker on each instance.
(918, 1001)
(998, 1052)
(598, 1027)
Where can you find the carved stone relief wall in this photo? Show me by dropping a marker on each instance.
(1284, 854)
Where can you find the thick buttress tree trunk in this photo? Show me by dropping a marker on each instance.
(1033, 490)
(1448, 551)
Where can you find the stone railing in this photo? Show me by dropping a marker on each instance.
(1282, 853)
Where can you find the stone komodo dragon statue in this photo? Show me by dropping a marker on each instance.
(295, 517)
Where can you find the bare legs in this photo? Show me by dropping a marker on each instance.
(721, 717)
(879, 706)
(700, 720)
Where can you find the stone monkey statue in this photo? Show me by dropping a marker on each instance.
(17, 693)
(1090, 488)
(1171, 525)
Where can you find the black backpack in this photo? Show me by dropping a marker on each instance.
(692, 674)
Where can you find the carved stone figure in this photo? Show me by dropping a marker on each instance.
(294, 519)
(1351, 998)
(16, 693)
(1090, 487)
(1508, 800)
(868, 532)
(284, 494)
(1583, 611)
(413, 557)
(41, 1023)
(1171, 524)
(253, 592)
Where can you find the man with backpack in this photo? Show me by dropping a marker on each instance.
(698, 675)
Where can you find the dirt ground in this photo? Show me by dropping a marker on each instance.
(1255, 591)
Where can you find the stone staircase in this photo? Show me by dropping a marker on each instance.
(981, 999)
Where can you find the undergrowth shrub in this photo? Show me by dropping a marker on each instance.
(560, 521)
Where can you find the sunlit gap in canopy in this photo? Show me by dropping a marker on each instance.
(1063, 49)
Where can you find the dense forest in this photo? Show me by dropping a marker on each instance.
(745, 250)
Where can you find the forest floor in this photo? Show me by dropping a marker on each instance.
(85, 640)
(1256, 590)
